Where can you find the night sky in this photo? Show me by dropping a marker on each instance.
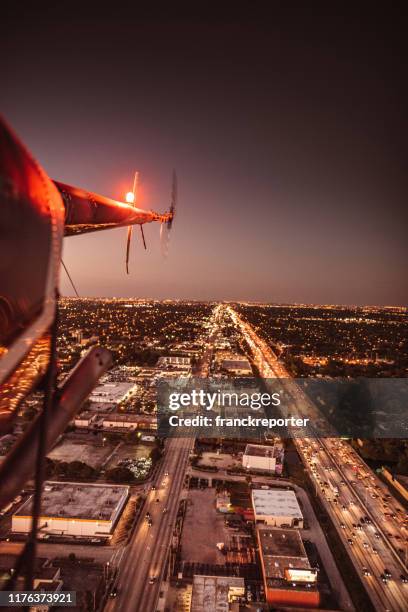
(286, 128)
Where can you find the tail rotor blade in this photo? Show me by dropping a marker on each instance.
(167, 225)
(164, 239)
(129, 237)
(70, 279)
(130, 227)
(173, 203)
(143, 237)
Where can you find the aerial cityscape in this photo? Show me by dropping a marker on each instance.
(203, 307)
(132, 521)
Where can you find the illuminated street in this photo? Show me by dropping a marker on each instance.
(373, 546)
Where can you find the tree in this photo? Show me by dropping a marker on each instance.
(120, 474)
(155, 454)
(79, 469)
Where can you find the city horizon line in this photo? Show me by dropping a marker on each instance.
(249, 302)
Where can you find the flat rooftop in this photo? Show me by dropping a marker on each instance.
(73, 500)
(281, 542)
(281, 549)
(111, 392)
(211, 592)
(236, 364)
(173, 360)
(276, 502)
(255, 450)
(87, 414)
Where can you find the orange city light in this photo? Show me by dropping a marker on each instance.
(130, 197)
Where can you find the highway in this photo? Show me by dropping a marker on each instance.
(368, 549)
(146, 554)
(333, 465)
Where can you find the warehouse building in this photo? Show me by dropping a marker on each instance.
(237, 366)
(262, 458)
(113, 393)
(46, 576)
(85, 419)
(130, 421)
(277, 508)
(74, 509)
(174, 360)
(289, 580)
(220, 593)
(172, 368)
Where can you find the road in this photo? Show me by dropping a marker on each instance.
(373, 547)
(146, 553)
(140, 579)
(368, 548)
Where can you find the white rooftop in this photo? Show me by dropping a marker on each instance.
(276, 502)
(112, 392)
(173, 360)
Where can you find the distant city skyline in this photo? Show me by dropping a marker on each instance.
(305, 305)
(286, 133)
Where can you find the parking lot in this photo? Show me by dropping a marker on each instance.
(203, 529)
(222, 461)
(76, 450)
(128, 451)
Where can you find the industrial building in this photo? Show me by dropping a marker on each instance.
(130, 421)
(85, 419)
(173, 360)
(264, 458)
(289, 580)
(237, 366)
(74, 509)
(277, 508)
(113, 393)
(172, 368)
(46, 576)
(220, 593)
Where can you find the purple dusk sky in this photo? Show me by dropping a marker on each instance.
(286, 131)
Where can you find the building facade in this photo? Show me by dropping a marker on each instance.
(263, 458)
(276, 508)
(74, 509)
(289, 579)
